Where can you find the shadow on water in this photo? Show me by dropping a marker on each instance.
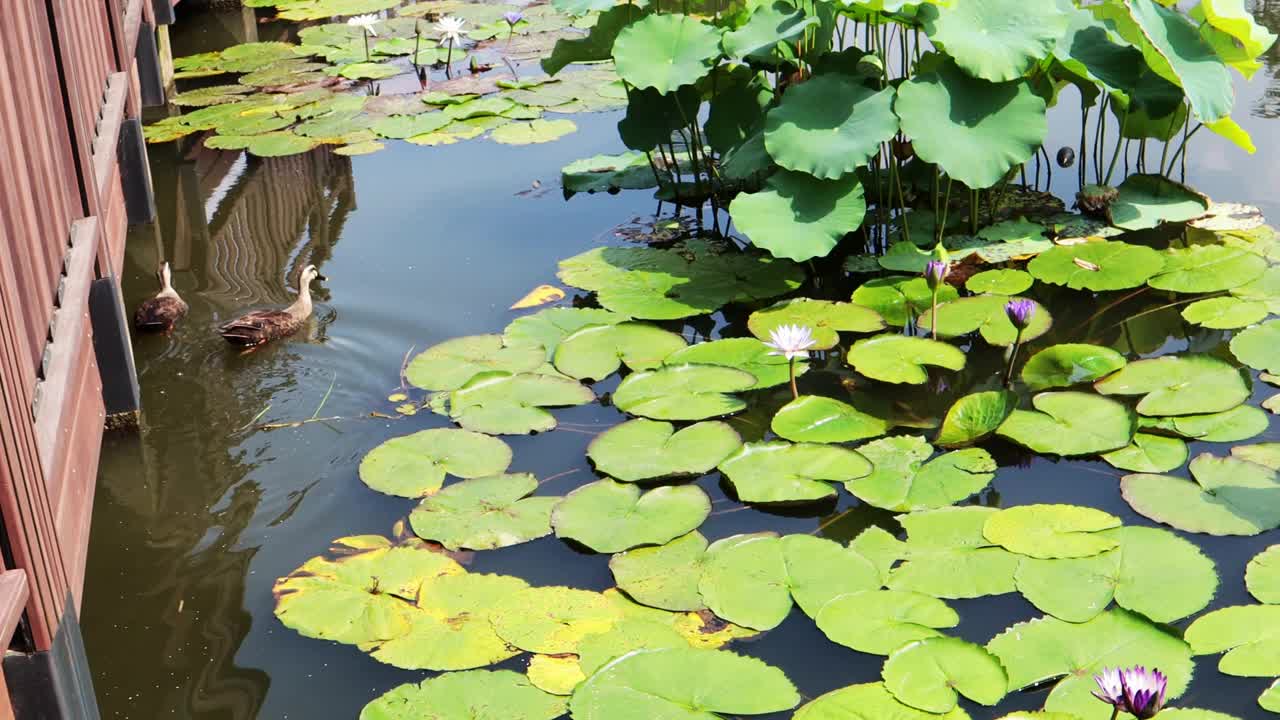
(199, 514)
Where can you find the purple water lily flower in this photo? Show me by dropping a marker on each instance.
(512, 17)
(1143, 691)
(1020, 312)
(1110, 687)
(935, 272)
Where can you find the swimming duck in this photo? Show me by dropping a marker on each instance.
(263, 326)
(162, 312)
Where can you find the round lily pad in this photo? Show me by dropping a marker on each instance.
(901, 358)
(822, 317)
(500, 403)
(881, 621)
(1070, 423)
(744, 580)
(555, 674)
(901, 479)
(1149, 454)
(552, 619)
(546, 328)
(1266, 454)
(783, 472)
(820, 419)
(975, 416)
(1239, 423)
(820, 570)
(666, 576)
(1097, 266)
(1207, 268)
(643, 449)
(667, 51)
(1146, 201)
(868, 700)
(609, 516)
(683, 392)
(485, 513)
(595, 352)
(533, 131)
(1178, 385)
(1262, 576)
(595, 651)
(1248, 634)
(900, 298)
(746, 354)
(999, 282)
(1259, 346)
(930, 674)
(829, 126)
(1224, 313)
(449, 365)
(1051, 531)
(416, 465)
(1070, 364)
(1230, 496)
(798, 216)
(995, 40)
(986, 315)
(471, 695)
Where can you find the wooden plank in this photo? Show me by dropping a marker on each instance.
(14, 594)
(108, 132)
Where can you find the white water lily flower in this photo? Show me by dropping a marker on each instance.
(791, 341)
(365, 22)
(450, 28)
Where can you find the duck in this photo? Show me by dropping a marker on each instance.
(161, 312)
(262, 326)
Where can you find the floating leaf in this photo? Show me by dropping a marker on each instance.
(783, 472)
(744, 580)
(900, 298)
(869, 700)
(798, 216)
(901, 479)
(1207, 268)
(683, 392)
(1239, 423)
(485, 513)
(985, 314)
(546, 328)
(1230, 496)
(500, 403)
(1051, 531)
(1149, 454)
(1259, 346)
(664, 52)
(609, 173)
(829, 126)
(1266, 454)
(540, 295)
(901, 358)
(1262, 576)
(820, 419)
(1070, 423)
(596, 352)
(823, 318)
(928, 674)
(999, 282)
(533, 131)
(1224, 313)
(946, 555)
(975, 416)
(552, 619)
(881, 621)
(1097, 266)
(1147, 201)
(1249, 634)
(415, 465)
(1178, 385)
(555, 674)
(645, 449)
(471, 695)
(820, 570)
(746, 354)
(609, 516)
(666, 576)
(452, 363)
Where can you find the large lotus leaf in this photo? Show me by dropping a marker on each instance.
(643, 449)
(664, 52)
(1070, 423)
(903, 480)
(1259, 346)
(1239, 423)
(552, 619)
(1070, 364)
(452, 631)
(747, 354)
(995, 40)
(546, 328)
(1230, 497)
(500, 403)
(596, 46)
(798, 216)
(471, 695)
(609, 516)
(975, 130)
(415, 465)
(682, 684)
(868, 701)
(598, 351)
(975, 416)
(666, 576)
(1231, 18)
(1152, 571)
(985, 314)
(1207, 268)
(902, 358)
(1262, 576)
(881, 621)
(947, 556)
(783, 472)
(1097, 265)
(1047, 648)
(683, 392)
(822, 317)
(1149, 454)
(900, 298)
(485, 513)
(1146, 201)
(769, 24)
(362, 597)
(820, 570)
(1179, 385)
(1051, 531)
(744, 581)
(1175, 50)
(930, 674)
(829, 126)
(1224, 313)
(820, 419)
(1004, 281)
(450, 364)
(1249, 634)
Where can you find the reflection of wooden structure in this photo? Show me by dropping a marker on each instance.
(72, 81)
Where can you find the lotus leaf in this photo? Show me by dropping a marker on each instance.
(1051, 531)
(1259, 346)
(1149, 454)
(1070, 423)
(798, 216)
(975, 416)
(820, 570)
(985, 314)
(747, 354)
(1239, 423)
(1230, 496)
(546, 328)
(664, 52)
(903, 480)
(485, 513)
(899, 299)
(664, 577)
(995, 40)
(415, 465)
(975, 130)
(1207, 268)
(1097, 265)
(645, 449)
(1249, 634)
(999, 282)
(783, 472)
(881, 621)
(1146, 201)
(595, 352)
(823, 318)
(471, 695)
(609, 173)
(768, 25)
(901, 358)
(1224, 313)
(868, 701)
(609, 516)
(1172, 45)
(820, 419)
(452, 363)
(533, 131)
(829, 126)
(744, 580)
(552, 619)
(500, 403)
(928, 674)
(1178, 385)
(740, 102)
(683, 392)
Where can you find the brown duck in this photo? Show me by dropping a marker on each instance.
(162, 312)
(263, 326)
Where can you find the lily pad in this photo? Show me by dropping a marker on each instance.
(598, 351)
(1000, 282)
(782, 472)
(1097, 266)
(930, 674)
(533, 131)
(500, 403)
(746, 354)
(683, 392)
(822, 317)
(1147, 201)
(452, 363)
(471, 695)
(1239, 423)
(485, 513)
(609, 173)
(643, 449)
(744, 580)
(798, 216)
(901, 479)
(1266, 454)
(881, 621)
(829, 126)
(868, 701)
(1051, 531)
(1149, 454)
(1207, 268)
(416, 465)
(552, 620)
(1259, 346)
(901, 358)
(667, 51)
(975, 416)
(986, 315)
(820, 570)
(820, 419)
(546, 328)
(1262, 576)
(1248, 634)
(1070, 423)
(900, 298)
(1178, 385)
(946, 555)
(609, 516)
(1070, 364)
(1230, 496)
(1224, 313)
(666, 576)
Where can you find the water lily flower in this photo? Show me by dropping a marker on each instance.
(450, 28)
(935, 273)
(1110, 687)
(1020, 312)
(1143, 691)
(365, 22)
(513, 17)
(791, 341)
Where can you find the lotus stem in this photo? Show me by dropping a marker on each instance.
(795, 394)
(973, 211)
(933, 315)
(1186, 136)
(366, 44)
(1013, 359)
(1115, 712)
(1115, 155)
(1164, 154)
(417, 43)
(448, 60)
(1084, 158)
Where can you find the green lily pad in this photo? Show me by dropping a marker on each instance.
(500, 403)
(999, 282)
(1149, 454)
(666, 576)
(1262, 576)
(1259, 346)
(471, 695)
(452, 363)
(820, 419)
(404, 126)
(645, 449)
(595, 352)
(415, 465)
(597, 650)
(930, 674)
(822, 317)
(798, 216)
(609, 173)
(985, 314)
(1147, 201)
(1248, 634)
(664, 52)
(533, 131)
(746, 354)
(902, 359)
(485, 513)
(1270, 698)
(946, 555)
(683, 392)
(901, 479)
(211, 95)
(783, 472)
(881, 621)
(1070, 364)
(975, 416)
(609, 516)
(1266, 454)
(975, 130)
(546, 328)
(1070, 423)
(1239, 423)
(820, 570)
(1178, 385)
(682, 684)
(899, 298)
(368, 70)
(1230, 496)
(1051, 531)
(865, 702)
(1097, 266)
(552, 620)
(744, 580)
(1225, 313)
(1265, 290)
(273, 144)
(829, 126)
(1207, 268)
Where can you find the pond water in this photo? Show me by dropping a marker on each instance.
(200, 513)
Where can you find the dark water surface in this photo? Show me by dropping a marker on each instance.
(199, 514)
